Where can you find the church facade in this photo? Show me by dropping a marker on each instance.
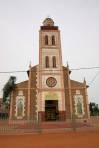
(49, 93)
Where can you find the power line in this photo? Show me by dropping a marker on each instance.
(85, 68)
(82, 68)
(94, 78)
(5, 72)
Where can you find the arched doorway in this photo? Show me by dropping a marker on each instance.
(51, 110)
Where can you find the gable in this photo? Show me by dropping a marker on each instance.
(76, 84)
(23, 84)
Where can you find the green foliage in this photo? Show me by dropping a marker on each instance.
(94, 109)
(9, 86)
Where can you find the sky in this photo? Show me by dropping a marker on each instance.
(78, 21)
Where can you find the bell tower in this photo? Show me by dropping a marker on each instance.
(50, 45)
(51, 84)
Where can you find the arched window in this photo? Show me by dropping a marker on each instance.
(54, 61)
(53, 40)
(46, 40)
(47, 62)
(20, 108)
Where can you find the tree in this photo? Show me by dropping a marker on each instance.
(94, 109)
(9, 86)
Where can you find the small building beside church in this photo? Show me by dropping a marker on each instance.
(49, 93)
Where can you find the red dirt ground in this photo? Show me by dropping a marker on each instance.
(88, 139)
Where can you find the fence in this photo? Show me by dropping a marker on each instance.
(18, 127)
(8, 127)
(94, 120)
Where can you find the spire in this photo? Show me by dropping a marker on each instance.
(30, 65)
(84, 81)
(29, 91)
(69, 71)
(67, 65)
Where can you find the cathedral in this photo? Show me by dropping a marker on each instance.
(49, 94)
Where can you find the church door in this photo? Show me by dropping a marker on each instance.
(51, 110)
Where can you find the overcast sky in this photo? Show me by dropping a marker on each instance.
(78, 21)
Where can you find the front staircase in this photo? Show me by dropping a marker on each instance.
(61, 125)
(29, 127)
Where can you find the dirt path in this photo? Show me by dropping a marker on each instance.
(49, 140)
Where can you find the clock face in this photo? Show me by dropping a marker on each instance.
(51, 82)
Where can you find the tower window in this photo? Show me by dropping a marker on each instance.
(54, 61)
(53, 40)
(47, 62)
(46, 40)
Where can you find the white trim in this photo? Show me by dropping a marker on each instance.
(79, 99)
(78, 92)
(20, 99)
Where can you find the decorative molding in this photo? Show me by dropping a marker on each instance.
(51, 96)
(79, 106)
(77, 92)
(51, 81)
(20, 100)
